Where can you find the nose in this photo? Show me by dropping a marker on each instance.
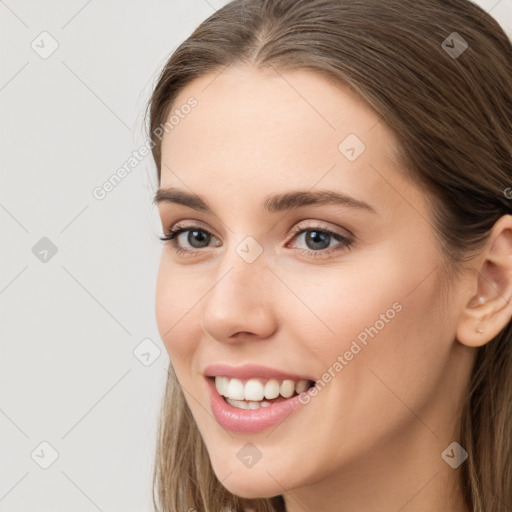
(239, 305)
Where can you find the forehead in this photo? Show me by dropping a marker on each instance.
(253, 129)
(250, 109)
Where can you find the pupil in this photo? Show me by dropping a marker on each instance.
(197, 236)
(317, 237)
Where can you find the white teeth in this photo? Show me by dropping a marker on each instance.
(301, 386)
(235, 389)
(220, 384)
(272, 389)
(242, 404)
(255, 390)
(287, 388)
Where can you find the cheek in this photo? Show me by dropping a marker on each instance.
(382, 316)
(341, 304)
(175, 298)
(394, 339)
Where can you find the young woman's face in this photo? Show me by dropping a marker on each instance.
(345, 292)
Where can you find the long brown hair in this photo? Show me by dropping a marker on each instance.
(450, 106)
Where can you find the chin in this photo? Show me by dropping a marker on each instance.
(250, 484)
(251, 490)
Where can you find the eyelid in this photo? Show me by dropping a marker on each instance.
(186, 225)
(301, 226)
(314, 224)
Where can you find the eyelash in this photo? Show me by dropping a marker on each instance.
(346, 243)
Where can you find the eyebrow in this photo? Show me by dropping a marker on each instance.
(276, 203)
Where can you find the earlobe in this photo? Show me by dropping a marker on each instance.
(489, 310)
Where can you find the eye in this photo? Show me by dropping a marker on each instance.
(197, 237)
(317, 239)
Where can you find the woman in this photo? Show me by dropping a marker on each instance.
(336, 271)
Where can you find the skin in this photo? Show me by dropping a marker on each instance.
(372, 438)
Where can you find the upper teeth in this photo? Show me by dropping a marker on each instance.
(257, 389)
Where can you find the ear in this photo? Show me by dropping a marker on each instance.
(488, 309)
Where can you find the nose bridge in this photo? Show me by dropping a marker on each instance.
(239, 300)
(242, 268)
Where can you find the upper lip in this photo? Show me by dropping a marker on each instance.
(249, 371)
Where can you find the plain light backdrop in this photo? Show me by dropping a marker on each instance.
(82, 366)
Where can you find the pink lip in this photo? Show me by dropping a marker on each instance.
(249, 371)
(249, 420)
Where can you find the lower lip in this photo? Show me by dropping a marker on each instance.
(250, 420)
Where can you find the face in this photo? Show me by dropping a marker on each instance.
(345, 293)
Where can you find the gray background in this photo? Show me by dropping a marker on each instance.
(82, 366)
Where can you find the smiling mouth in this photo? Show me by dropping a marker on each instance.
(258, 392)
